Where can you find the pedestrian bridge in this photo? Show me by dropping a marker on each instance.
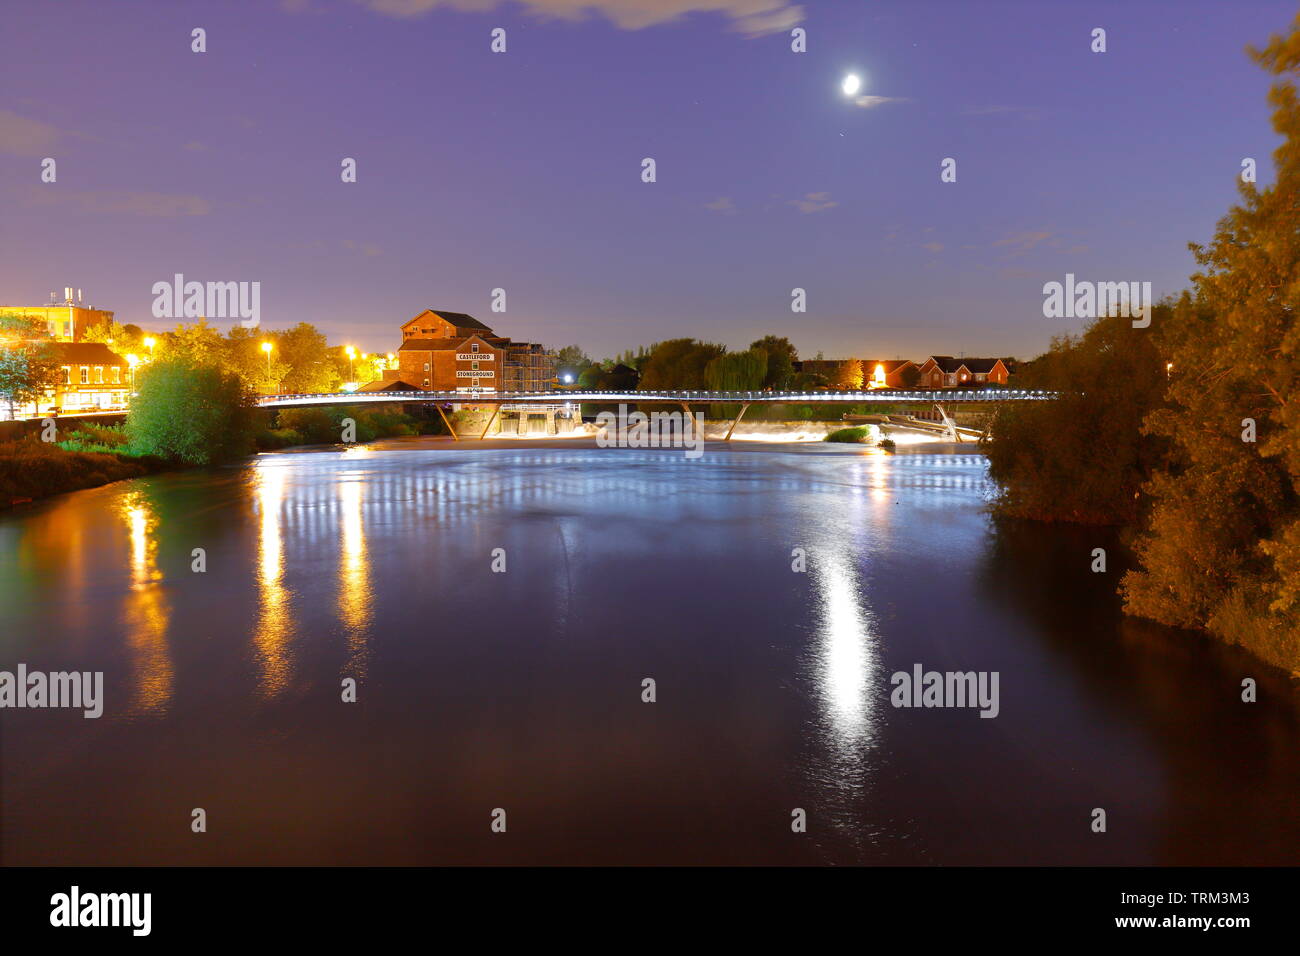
(882, 396)
(523, 401)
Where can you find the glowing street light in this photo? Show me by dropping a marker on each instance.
(149, 343)
(266, 347)
(352, 355)
(133, 361)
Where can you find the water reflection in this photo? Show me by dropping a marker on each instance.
(355, 593)
(846, 654)
(146, 611)
(274, 630)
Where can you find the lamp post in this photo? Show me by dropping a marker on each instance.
(133, 361)
(266, 347)
(149, 343)
(352, 355)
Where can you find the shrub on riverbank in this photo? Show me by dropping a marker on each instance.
(31, 468)
(324, 425)
(848, 435)
(190, 413)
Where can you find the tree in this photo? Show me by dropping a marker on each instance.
(781, 356)
(122, 339)
(1083, 457)
(190, 412)
(311, 365)
(736, 371)
(27, 361)
(848, 375)
(678, 363)
(1222, 548)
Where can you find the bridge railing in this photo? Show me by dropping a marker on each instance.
(870, 396)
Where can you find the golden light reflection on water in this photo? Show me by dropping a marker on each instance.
(355, 593)
(274, 623)
(146, 611)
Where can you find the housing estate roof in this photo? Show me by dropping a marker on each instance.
(86, 353)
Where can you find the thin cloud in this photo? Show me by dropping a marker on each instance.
(121, 202)
(813, 202)
(722, 204)
(933, 246)
(870, 102)
(1023, 242)
(22, 136)
(753, 18)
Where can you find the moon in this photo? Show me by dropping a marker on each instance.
(852, 83)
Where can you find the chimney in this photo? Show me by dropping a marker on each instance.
(67, 294)
(79, 300)
(54, 298)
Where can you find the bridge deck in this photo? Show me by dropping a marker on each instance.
(873, 396)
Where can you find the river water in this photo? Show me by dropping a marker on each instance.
(522, 690)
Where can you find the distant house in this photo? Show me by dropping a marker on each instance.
(861, 373)
(889, 373)
(944, 371)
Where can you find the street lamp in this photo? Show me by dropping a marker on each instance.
(149, 343)
(352, 355)
(133, 361)
(266, 347)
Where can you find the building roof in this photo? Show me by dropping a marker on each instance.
(85, 353)
(891, 365)
(460, 320)
(429, 345)
(394, 386)
(950, 364)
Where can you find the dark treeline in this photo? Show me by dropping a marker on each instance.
(1187, 433)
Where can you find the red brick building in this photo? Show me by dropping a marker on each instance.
(452, 351)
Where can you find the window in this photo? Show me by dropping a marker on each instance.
(426, 366)
(67, 375)
(474, 348)
(85, 375)
(117, 374)
(99, 375)
(426, 383)
(474, 365)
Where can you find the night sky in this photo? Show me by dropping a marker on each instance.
(523, 170)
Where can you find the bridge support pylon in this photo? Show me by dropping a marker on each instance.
(445, 421)
(953, 434)
(743, 408)
(495, 412)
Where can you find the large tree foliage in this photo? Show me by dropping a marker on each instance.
(781, 356)
(678, 363)
(1222, 550)
(190, 412)
(736, 371)
(1082, 458)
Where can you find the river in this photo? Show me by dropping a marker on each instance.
(521, 689)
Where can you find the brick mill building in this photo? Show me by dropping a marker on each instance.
(454, 352)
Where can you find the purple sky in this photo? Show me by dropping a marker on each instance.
(522, 170)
